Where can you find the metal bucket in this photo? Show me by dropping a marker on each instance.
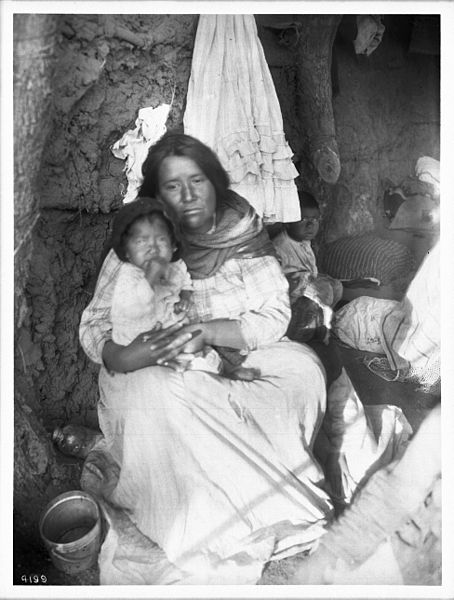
(70, 527)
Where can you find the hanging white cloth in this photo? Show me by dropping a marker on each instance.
(427, 169)
(370, 33)
(133, 146)
(232, 107)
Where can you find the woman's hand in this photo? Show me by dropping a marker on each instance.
(154, 347)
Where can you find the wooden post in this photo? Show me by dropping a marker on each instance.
(314, 94)
(34, 41)
(34, 461)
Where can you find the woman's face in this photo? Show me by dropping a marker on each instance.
(184, 186)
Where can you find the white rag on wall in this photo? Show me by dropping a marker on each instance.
(370, 33)
(134, 144)
(427, 169)
(232, 107)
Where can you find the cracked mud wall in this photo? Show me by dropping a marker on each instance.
(101, 82)
(386, 115)
(106, 71)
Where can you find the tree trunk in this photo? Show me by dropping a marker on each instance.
(314, 93)
(35, 468)
(34, 39)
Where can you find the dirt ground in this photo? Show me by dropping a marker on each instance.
(34, 559)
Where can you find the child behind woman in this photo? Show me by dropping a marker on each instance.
(153, 285)
(295, 252)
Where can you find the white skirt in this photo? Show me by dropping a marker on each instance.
(208, 463)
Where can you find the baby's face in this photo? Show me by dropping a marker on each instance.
(149, 240)
(307, 228)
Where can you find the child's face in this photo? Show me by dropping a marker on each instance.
(149, 240)
(307, 228)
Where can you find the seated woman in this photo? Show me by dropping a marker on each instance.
(211, 466)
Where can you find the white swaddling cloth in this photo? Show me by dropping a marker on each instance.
(137, 307)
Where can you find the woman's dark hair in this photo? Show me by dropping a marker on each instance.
(307, 200)
(141, 208)
(180, 144)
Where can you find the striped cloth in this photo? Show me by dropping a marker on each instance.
(366, 255)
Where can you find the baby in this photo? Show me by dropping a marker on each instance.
(294, 249)
(153, 285)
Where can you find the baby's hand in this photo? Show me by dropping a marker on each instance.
(155, 269)
(182, 306)
(184, 303)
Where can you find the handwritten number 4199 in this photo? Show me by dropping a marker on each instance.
(33, 579)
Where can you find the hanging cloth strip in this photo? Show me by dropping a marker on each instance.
(133, 146)
(232, 107)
